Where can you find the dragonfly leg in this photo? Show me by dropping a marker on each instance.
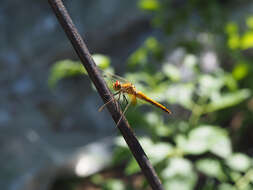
(118, 96)
(102, 107)
(116, 93)
(125, 99)
(113, 94)
(119, 101)
(123, 113)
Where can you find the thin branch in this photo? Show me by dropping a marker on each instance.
(94, 74)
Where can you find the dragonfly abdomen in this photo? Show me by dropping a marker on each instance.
(147, 99)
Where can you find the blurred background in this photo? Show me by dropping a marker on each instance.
(193, 56)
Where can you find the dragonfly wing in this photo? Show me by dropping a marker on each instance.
(113, 77)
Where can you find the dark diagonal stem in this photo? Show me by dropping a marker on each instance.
(87, 61)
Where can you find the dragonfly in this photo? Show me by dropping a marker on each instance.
(122, 87)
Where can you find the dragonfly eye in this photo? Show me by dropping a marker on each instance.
(117, 85)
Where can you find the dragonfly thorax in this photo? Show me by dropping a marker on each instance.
(128, 88)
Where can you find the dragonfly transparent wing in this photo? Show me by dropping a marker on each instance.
(113, 77)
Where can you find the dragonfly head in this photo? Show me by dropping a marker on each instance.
(116, 86)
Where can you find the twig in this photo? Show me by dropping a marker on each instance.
(87, 61)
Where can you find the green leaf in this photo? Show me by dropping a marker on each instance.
(233, 36)
(178, 166)
(132, 167)
(149, 5)
(190, 62)
(226, 186)
(121, 154)
(222, 146)
(234, 41)
(230, 82)
(180, 183)
(212, 168)
(97, 179)
(102, 61)
(156, 151)
(249, 22)
(181, 94)
(239, 162)
(149, 49)
(179, 174)
(63, 69)
(152, 118)
(235, 175)
(68, 68)
(159, 152)
(195, 147)
(221, 101)
(240, 71)
(231, 28)
(152, 44)
(247, 40)
(209, 84)
(158, 127)
(139, 57)
(206, 138)
(172, 72)
(119, 141)
(113, 184)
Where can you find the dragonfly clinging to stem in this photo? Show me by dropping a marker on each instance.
(125, 87)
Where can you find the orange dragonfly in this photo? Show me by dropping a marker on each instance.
(125, 87)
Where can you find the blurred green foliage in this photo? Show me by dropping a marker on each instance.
(200, 145)
(68, 68)
(184, 148)
(237, 40)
